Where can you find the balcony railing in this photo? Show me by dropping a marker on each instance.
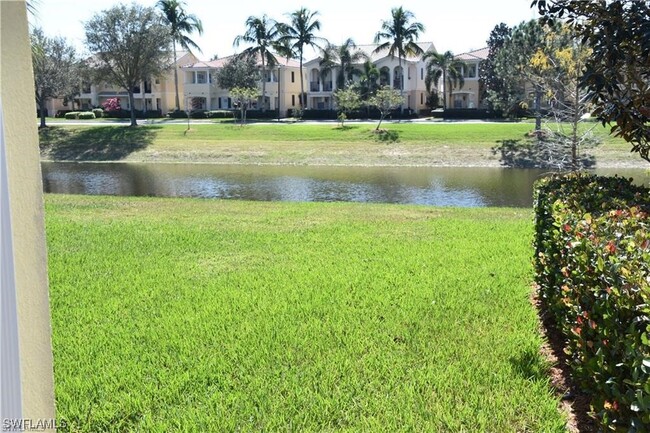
(327, 86)
(314, 87)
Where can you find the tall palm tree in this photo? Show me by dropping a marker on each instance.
(298, 34)
(399, 35)
(342, 57)
(452, 71)
(263, 33)
(180, 26)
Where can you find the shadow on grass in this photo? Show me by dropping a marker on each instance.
(530, 365)
(386, 136)
(535, 153)
(101, 143)
(345, 128)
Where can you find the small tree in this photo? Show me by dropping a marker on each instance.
(386, 100)
(347, 100)
(242, 97)
(55, 69)
(130, 45)
(238, 71)
(617, 73)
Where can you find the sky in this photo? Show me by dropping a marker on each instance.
(455, 25)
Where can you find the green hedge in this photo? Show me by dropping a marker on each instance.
(592, 263)
(71, 115)
(86, 115)
(98, 112)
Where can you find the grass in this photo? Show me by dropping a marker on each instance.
(201, 315)
(421, 144)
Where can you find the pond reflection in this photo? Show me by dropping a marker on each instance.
(437, 186)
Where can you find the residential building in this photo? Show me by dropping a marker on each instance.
(321, 84)
(203, 93)
(158, 93)
(469, 95)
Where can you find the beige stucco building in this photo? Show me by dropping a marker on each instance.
(469, 95)
(155, 94)
(321, 87)
(202, 91)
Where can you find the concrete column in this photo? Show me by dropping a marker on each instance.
(23, 194)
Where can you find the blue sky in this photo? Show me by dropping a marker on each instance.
(459, 26)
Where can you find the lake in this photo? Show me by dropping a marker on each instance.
(436, 186)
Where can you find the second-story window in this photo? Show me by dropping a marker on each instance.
(201, 77)
(293, 77)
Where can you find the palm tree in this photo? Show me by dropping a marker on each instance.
(400, 34)
(452, 71)
(180, 25)
(367, 85)
(343, 58)
(263, 33)
(297, 35)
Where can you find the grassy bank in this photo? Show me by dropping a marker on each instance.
(200, 315)
(423, 144)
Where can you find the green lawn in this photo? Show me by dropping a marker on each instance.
(423, 144)
(205, 315)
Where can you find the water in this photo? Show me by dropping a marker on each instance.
(437, 186)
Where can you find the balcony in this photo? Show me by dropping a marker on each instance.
(314, 86)
(327, 86)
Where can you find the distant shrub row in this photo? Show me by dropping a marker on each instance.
(83, 115)
(592, 264)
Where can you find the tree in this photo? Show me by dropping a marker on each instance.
(298, 34)
(239, 71)
(180, 25)
(399, 35)
(242, 96)
(347, 100)
(343, 58)
(617, 74)
(514, 65)
(431, 83)
(263, 33)
(367, 85)
(489, 80)
(55, 69)
(561, 64)
(451, 69)
(386, 99)
(130, 45)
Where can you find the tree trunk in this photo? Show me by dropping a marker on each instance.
(132, 105)
(401, 86)
(302, 87)
(42, 112)
(178, 102)
(263, 84)
(538, 112)
(444, 89)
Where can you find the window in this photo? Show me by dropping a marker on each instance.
(421, 73)
(421, 98)
(157, 81)
(471, 71)
(293, 77)
(201, 77)
(293, 97)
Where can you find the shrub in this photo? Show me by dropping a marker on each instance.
(592, 263)
(98, 112)
(86, 115)
(112, 104)
(72, 115)
(61, 113)
(177, 114)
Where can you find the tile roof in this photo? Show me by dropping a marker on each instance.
(480, 54)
